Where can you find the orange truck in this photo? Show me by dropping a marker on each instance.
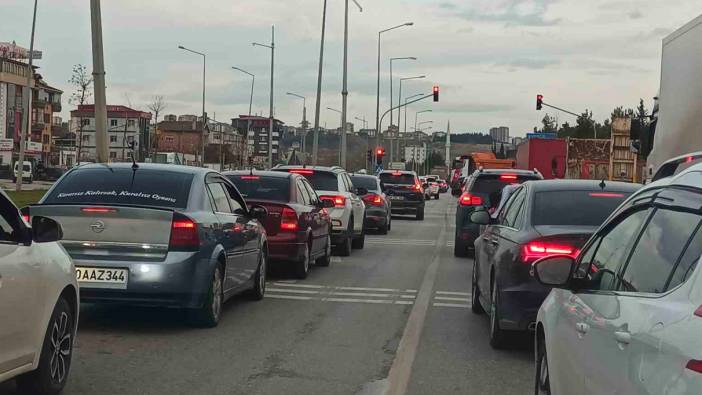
(465, 165)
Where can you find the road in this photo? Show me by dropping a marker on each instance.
(394, 315)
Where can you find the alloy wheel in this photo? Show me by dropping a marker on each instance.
(60, 347)
(217, 294)
(262, 274)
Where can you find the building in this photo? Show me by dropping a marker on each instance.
(182, 137)
(46, 101)
(170, 117)
(500, 134)
(256, 129)
(415, 153)
(124, 127)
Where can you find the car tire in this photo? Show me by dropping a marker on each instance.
(542, 381)
(420, 214)
(209, 314)
(54, 365)
(497, 335)
(344, 249)
(475, 305)
(302, 266)
(389, 223)
(359, 242)
(459, 248)
(436, 196)
(259, 289)
(325, 260)
(383, 230)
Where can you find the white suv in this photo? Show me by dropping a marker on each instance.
(38, 303)
(349, 211)
(625, 317)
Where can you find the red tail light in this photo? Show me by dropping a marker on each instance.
(305, 172)
(537, 250)
(101, 210)
(288, 220)
(339, 201)
(694, 365)
(417, 187)
(373, 200)
(26, 218)
(508, 177)
(607, 194)
(469, 200)
(698, 312)
(184, 234)
(250, 178)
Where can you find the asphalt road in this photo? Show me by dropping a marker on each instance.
(394, 316)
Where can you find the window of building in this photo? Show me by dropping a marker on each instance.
(113, 123)
(86, 138)
(170, 139)
(85, 122)
(131, 123)
(113, 155)
(113, 139)
(45, 139)
(47, 118)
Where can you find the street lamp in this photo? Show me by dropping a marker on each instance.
(253, 82)
(391, 91)
(304, 117)
(344, 90)
(377, 99)
(28, 125)
(248, 121)
(407, 99)
(270, 122)
(342, 128)
(365, 123)
(204, 115)
(415, 117)
(399, 99)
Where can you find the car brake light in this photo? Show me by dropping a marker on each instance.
(417, 187)
(508, 177)
(250, 178)
(698, 312)
(470, 200)
(305, 172)
(694, 365)
(397, 174)
(98, 210)
(537, 250)
(184, 235)
(288, 220)
(373, 199)
(25, 217)
(606, 194)
(339, 201)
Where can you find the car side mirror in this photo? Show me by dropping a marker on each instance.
(361, 191)
(326, 203)
(258, 212)
(553, 271)
(480, 217)
(46, 230)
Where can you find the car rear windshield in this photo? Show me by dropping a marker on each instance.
(320, 180)
(369, 183)
(105, 186)
(489, 186)
(266, 188)
(397, 178)
(589, 208)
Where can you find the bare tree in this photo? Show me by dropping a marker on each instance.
(157, 106)
(82, 82)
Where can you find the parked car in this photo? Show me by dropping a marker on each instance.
(349, 211)
(378, 207)
(625, 315)
(298, 226)
(482, 189)
(27, 172)
(159, 235)
(38, 303)
(404, 191)
(540, 218)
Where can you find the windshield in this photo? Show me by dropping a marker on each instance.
(397, 178)
(489, 187)
(266, 188)
(320, 180)
(585, 208)
(105, 186)
(369, 183)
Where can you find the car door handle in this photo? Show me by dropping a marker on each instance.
(582, 328)
(623, 337)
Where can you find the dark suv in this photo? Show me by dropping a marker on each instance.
(483, 189)
(405, 192)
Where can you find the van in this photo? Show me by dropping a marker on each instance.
(27, 172)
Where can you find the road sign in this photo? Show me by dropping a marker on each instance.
(549, 136)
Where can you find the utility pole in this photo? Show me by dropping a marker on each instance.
(315, 141)
(28, 108)
(271, 115)
(344, 90)
(101, 150)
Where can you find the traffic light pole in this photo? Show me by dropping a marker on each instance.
(380, 122)
(594, 127)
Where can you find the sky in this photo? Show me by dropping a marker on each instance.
(490, 57)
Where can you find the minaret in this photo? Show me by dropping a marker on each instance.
(447, 158)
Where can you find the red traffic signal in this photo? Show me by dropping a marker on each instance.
(539, 101)
(380, 152)
(436, 93)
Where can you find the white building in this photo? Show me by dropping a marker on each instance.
(500, 134)
(415, 153)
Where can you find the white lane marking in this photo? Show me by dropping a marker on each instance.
(293, 291)
(404, 302)
(288, 297)
(463, 306)
(369, 289)
(452, 293)
(408, 296)
(450, 298)
(360, 294)
(411, 290)
(336, 259)
(372, 301)
(278, 283)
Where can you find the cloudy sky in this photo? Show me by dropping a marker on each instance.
(491, 57)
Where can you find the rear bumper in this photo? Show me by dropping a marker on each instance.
(181, 281)
(375, 217)
(407, 206)
(519, 305)
(468, 234)
(286, 250)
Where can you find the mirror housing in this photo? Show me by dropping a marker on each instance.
(46, 230)
(553, 271)
(361, 191)
(481, 217)
(258, 212)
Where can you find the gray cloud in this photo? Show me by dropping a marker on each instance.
(532, 63)
(513, 13)
(472, 108)
(636, 14)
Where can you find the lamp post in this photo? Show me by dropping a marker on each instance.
(407, 99)
(342, 128)
(253, 82)
(344, 90)
(391, 90)
(416, 115)
(204, 114)
(377, 100)
(304, 117)
(248, 121)
(28, 124)
(315, 140)
(365, 123)
(270, 121)
(399, 99)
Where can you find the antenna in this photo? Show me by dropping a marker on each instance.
(132, 144)
(603, 185)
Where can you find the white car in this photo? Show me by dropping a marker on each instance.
(349, 212)
(38, 303)
(625, 317)
(27, 171)
(432, 188)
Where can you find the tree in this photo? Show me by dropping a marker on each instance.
(82, 82)
(619, 112)
(642, 113)
(157, 106)
(549, 124)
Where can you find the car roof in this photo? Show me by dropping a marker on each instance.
(147, 166)
(519, 172)
(579, 185)
(261, 173)
(397, 171)
(335, 169)
(363, 176)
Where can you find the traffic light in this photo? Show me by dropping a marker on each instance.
(436, 93)
(539, 101)
(370, 155)
(379, 154)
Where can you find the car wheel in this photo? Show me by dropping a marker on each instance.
(208, 315)
(436, 197)
(325, 260)
(497, 335)
(420, 214)
(543, 375)
(55, 361)
(259, 289)
(360, 241)
(475, 305)
(344, 249)
(389, 223)
(383, 230)
(459, 248)
(302, 267)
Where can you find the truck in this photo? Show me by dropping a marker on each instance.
(465, 165)
(548, 156)
(675, 121)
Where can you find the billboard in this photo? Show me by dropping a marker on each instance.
(6, 144)
(14, 51)
(3, 109)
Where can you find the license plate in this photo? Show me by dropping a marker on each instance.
(101, 277)
(397, 197)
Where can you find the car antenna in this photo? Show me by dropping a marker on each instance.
(603, 185)
(135, 166)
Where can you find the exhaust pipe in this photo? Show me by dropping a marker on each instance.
(532, 326)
